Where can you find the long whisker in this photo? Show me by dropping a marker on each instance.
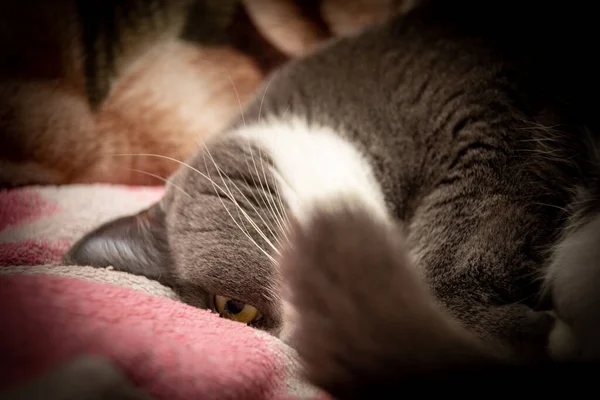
(279, 218)
(163, 157)
(279, 197)
(552, 206)
(263, 97)
(272, 205)
(252, 222)
(281, 212)
(286, 110)
(263, 191)
(245, 232)
(166, 181)
(265, 222)
(202, 143)
(238, 99)
(274, 209)
(215, 185)
(264, 198)
(262, 194)
(281, 209)
(244, 122)
(243, 229)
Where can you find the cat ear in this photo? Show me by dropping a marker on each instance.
(136, 244)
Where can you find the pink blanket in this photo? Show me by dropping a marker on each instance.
(51, 313)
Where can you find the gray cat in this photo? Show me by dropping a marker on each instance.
(421, 194)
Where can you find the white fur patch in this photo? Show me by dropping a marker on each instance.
(316, 167)
(573, 278)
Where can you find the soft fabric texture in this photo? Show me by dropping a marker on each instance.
(52, 313)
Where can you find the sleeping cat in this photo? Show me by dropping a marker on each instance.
(414, 197)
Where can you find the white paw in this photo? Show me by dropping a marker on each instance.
(562, 343)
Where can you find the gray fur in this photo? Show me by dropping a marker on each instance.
(475, 135)
(206, 252)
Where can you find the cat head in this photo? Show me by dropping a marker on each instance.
(212, 237)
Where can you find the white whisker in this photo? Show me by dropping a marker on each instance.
(286, 110)
(263, 191)
(262, 194)
(215, 185)
(244, 122)
(271, 232)
(263, 97)
(166, 181)
(563, 209)
(274, 209)
(244, 229)
(245, 232)
(276, 215)
(281, 209)
(238, 99)
(250, 220)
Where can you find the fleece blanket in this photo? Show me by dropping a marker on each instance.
(51, 313)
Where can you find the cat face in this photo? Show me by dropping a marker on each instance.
(213, 237)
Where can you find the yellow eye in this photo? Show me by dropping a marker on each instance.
(235, 310)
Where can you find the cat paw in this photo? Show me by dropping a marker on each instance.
(572, 280)
(562, 342)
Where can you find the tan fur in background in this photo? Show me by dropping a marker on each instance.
(170, 101)
(166, 96)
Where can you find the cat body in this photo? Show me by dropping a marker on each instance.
(404, 199)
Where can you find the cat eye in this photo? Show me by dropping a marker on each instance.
(236, 310)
